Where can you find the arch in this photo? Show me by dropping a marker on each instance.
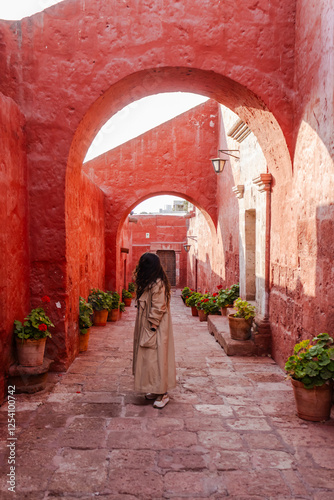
(111, 278)
(249, 107)
(179, 194)
(222, 89)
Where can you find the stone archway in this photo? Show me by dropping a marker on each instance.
(116, 280)
(248, 106)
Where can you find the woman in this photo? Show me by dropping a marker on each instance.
(153, 346)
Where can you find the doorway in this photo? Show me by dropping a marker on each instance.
(168, 262)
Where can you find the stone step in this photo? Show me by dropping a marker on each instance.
(218, 327)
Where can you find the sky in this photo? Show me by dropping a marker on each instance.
(14, 10)
(133, 120)
(139, 117)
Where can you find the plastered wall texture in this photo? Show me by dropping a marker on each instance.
(14, 267)
(302, 270)
(73, 66)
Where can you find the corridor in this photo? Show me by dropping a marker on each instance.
(230, 428)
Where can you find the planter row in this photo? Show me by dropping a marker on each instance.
(31, 352)
(311, 404)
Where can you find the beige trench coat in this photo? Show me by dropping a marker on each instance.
(153, 352)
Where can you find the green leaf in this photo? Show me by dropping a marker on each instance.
(331, 366)
(315, 350)
(326, 374)
(312, 369)
(323, 359)
(301, 345)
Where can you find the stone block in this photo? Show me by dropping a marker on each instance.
(218, 326)
(29, 379)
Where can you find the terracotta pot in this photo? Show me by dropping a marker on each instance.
(113, 315)
(30, 352)
(84, 338)
(127, 302)
(194, 311)
(202, 315)
(224, 310)
(240, 328)
(100, 317)
(313, 404)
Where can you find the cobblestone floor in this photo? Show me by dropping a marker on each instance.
(230, 428)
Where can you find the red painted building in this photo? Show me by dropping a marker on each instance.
(164, 235)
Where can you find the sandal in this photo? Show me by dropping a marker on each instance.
(161, 403)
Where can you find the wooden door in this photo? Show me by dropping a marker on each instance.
(168, 262)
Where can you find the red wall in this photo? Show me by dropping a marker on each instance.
(90, 251)
(167, 232)
(302, 250)
(14, 269)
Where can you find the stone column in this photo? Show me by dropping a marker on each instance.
(262, 335)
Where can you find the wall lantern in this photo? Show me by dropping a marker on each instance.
(219, 163)
(186, 246)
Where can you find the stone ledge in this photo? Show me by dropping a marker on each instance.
(17, 369)
(218, 327)
(29, 379)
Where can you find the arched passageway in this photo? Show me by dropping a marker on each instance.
(69, 69)
(170, 161)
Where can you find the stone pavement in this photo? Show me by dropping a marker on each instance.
(230, 428)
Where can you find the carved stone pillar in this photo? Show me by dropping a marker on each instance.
(262, 336)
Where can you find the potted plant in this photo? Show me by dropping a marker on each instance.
(101, 302)
(132, 289)
(185, 293)
(226, 297)
(311, 370)
(121, 309)
(85, 322)
(203, 307)
(126, 297)
(113, 311)
(192, 300)
(207, 305)
(213, 304)
(31, 336)
(241, 322)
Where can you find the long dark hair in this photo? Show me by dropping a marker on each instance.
(148, 271)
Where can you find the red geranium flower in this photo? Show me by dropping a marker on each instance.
(46, 299)
(42, 327)
(214, 294)
(220, 287)
(206, 300)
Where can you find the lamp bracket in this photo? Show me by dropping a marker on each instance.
(228, 152)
